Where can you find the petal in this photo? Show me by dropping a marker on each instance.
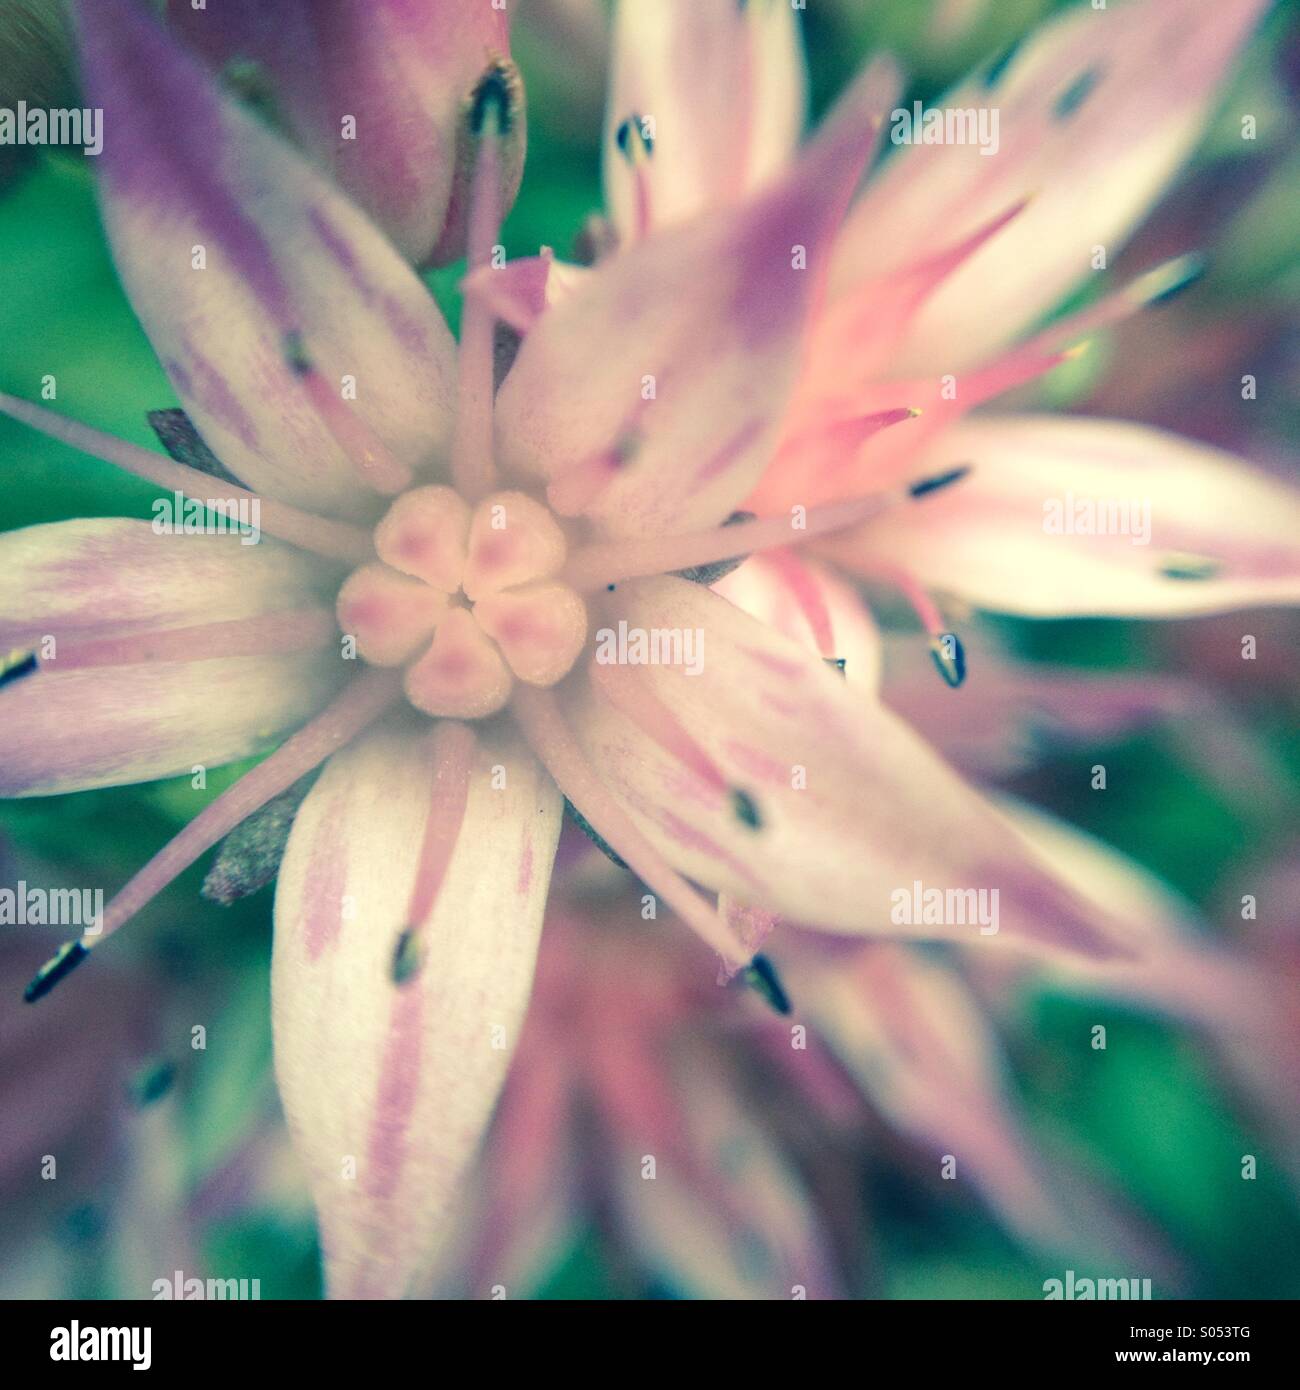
(112, 577)
(1192, 530)
(850, 806)
(293, 275)
(650, 397)
(917, 1040)
(807, 603)
(728, 1218)
(403, 72)
(90, 580)
(1094, 116)
(722, 85)
(388, 1087)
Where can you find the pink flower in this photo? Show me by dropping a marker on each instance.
(747, 347)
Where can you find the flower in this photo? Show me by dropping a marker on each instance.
(470, 545)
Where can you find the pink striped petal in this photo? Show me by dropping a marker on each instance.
(807, 603)
(649, 399)
(293, 275)
(851, 805)
(388, 1087)
(82, 581)
(1219, 534)
(721, 86)
(403, 72)
(1094, 116)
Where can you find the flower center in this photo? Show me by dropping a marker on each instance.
(466, 599)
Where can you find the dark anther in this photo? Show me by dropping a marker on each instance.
(1000, 64)
(760, 975)
(1076, 93)
(63, 963)
(949, 658)
(16, 665)
(153, 1083)
(940, 480)
(407, 957)
(633, 139)
(497, 94)
(295, 353)
(746, 809)
(1180, 566)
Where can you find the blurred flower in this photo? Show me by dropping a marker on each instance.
(747, 345)
(380, 95)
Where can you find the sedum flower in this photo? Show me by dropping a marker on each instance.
(426, 618)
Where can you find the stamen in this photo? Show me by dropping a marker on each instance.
(746, 809)
(271, 633)
(368, 454)
(408, 957)
(538, 715)
(452, 749)
(607, 562)
(949, 657)
(361, 702)
(794, 574)
(1156, 286)
(473, 468)
(152, 1083)
(1184, 565)
(939, 481)
(334, 539)
(63, 963)
(760, 975)
(636, 146)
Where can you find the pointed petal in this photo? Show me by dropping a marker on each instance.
(917, 1040)
(1192, 530)
(722, 88)
(292, 275)
(110, 577)
(807, 603)
(1094, 116)
(403, 72)
(659, 384)
(849, 806)
(76, 581)
(388, 1087)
